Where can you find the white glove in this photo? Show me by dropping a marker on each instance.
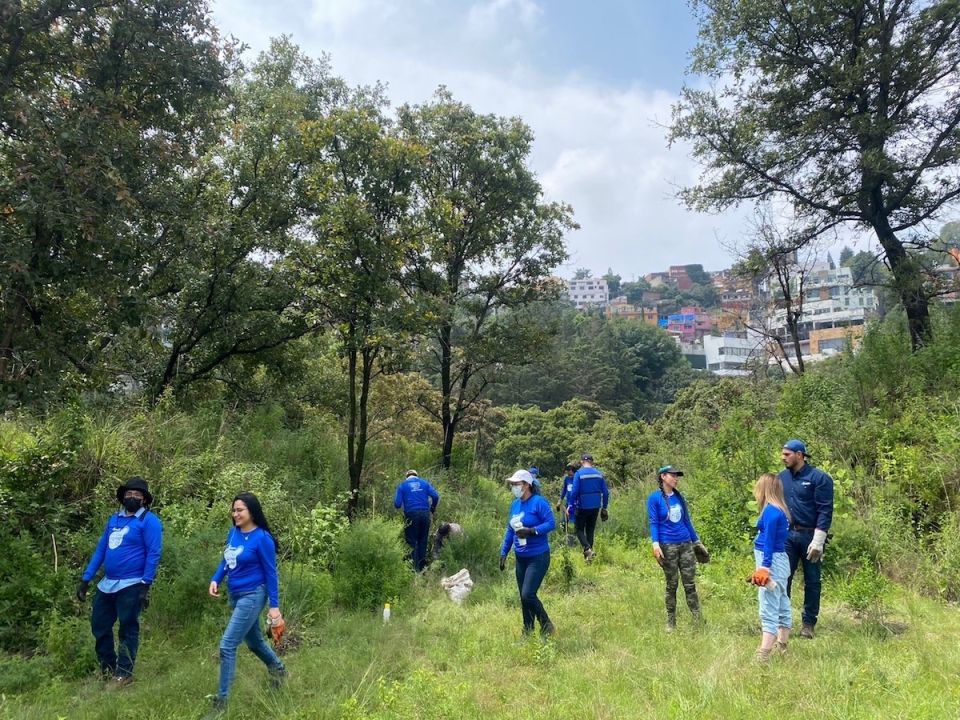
(815, 548)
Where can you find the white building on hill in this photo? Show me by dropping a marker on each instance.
(588, 292)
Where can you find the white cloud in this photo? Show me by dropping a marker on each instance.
(598, 147)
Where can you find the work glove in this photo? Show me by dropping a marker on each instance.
(604, 515)
(815, 548)
(503, 563)
(701, 553)
(277, 627)
(82, 590)
(526, 532)
(144, 597)
(557, 507)
(760, 577)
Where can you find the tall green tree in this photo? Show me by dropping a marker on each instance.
(361, 184)
(102, 106)
(490, 243)
(848, 110)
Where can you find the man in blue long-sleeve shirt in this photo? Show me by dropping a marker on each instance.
(588, 498)
(808, 492)
(129, 552)
(419, 501)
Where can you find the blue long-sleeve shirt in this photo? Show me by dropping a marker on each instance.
(773, 527)
(809, 497)
(416, 494)
(129, 548)
(249, 561)
(565, 494)
(589, 490)
(669, 519)
(534, 512)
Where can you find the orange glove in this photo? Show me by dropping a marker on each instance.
(760, 577)
(277, 628)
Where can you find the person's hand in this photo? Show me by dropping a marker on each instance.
(658, 554)
(701, 552)
(82, 590)
(815, 548)
(503, 563)
(214, 589)
(144, 597)
(604, 515)
(525, 532)
(557, 507)
(566, 512)
(277, 626)
(760, 577)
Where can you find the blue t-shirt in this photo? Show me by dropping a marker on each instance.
(809, 497)
(669, 519)
(772, 536)
(534, 512)
(589, 491)
(129, 549)
(416, 495)
(249, 561)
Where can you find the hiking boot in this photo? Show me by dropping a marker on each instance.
(588, 555)
(762, 655)
(118, 683)
(780, 647)
(547, 630)
(671, 625)
(807, 632)
(217, 709)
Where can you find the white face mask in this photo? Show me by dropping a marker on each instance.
(517, 490)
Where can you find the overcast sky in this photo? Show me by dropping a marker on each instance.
(595, 81)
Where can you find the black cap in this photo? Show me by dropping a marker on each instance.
(135, 483)
(587, 457)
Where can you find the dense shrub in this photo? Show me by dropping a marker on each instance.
(67, 642)
(370, 565)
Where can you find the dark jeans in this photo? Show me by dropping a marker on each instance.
(417, 532)
(586, 526)
(530, 574)
(797, 542)
(107, 609)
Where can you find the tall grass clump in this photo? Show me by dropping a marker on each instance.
(370, 566)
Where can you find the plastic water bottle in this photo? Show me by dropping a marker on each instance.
(517, 523)
(386, 612)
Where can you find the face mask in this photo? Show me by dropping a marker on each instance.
(132, 504)
(517, 490)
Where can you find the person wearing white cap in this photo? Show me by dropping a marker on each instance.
(531, 521)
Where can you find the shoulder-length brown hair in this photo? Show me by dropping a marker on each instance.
(768, 490)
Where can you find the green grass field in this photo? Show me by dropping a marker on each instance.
(610, 659)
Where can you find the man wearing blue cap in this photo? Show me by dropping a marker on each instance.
(588, 498)
(808, 492)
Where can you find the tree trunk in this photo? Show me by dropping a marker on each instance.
(908, 283)
(357, 422)
(446, 389)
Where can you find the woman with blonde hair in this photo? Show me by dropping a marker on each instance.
(773, 566)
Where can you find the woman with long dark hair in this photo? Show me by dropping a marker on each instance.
(250, 566)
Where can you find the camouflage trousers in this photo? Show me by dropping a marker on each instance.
(679, 563)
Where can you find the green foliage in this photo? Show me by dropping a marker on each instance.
(475, 549)
(865, 590)
(21, 674)
(67, 644)
(370, 566)
(942, 568)
(313, 537)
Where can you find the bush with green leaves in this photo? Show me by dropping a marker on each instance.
(370, 566)
(68, 644)
(312, 537)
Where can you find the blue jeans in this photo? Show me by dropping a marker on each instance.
(530, 574)
(123, 605)
(775, 604)
(416, 533)
(244, 626)
(797, 542)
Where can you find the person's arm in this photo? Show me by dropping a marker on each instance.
(507, 541)
(398, 497)
(606, 492)
(222, 567)
(688, 521)
(574, 495)
(267, 553)
(98, 555)
(545, 515)
(153, 539)
(434, 497)
(768, 534)
(653, 515)
(823, 500)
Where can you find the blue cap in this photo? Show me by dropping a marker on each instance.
(796, 446)
(535, 471)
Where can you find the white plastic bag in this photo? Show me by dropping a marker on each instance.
(458, 586)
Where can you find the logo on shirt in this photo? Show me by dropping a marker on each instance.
(231, 554)
(570, 487)
(116, 537)
(675, 513)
